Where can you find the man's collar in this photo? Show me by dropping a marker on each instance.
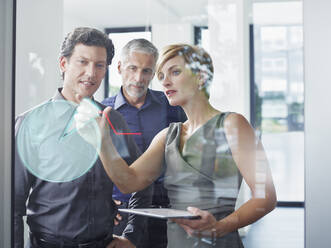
(150, 97)
(60, 110)
(119, 100)
(58, 95)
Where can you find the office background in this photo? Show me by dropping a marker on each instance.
(21, 32)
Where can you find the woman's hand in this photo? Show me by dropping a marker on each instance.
(92, 127)
(207, 225)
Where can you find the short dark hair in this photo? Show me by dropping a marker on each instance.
(89, 37)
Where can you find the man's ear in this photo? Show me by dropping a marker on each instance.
(119, 68)
(63, 64)
(202, 78)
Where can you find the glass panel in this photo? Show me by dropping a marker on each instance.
(278, 77)
(279, 90)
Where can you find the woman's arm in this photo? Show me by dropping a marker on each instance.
(131, 178)
(140, 173)
(252, 163)
(251, 160)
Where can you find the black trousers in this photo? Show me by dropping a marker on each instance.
(155, 235)
(35, 241)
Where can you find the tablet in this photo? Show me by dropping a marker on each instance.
(162, 213)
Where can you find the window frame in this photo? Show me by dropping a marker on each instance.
(197, 34)
(7, 110)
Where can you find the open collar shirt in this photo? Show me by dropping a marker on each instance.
(80, 210)
(153, 116)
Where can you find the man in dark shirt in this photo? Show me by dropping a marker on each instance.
(146, 111)
(79, 212)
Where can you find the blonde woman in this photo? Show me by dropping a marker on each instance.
(205, 158)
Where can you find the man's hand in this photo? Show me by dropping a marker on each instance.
(118, 217)
(120, 242)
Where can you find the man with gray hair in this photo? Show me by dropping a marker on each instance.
(148, 112)
(78, 212)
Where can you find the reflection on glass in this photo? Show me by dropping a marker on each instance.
(278, 68)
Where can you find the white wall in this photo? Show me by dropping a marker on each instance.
(170, 33)
(6, 10)
(39, 37)
(317, 53)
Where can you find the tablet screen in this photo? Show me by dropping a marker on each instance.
(163, 213)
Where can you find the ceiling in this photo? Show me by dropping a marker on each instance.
(124, 13)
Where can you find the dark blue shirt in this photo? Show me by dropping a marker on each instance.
(155, 115)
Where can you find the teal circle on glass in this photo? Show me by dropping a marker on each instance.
(50, 146)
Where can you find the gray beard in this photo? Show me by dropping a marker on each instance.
(135, 94)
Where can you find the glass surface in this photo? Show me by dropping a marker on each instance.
(278, 73)
(279, 93)
(48, 133)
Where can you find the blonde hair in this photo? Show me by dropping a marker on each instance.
(195, 57)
